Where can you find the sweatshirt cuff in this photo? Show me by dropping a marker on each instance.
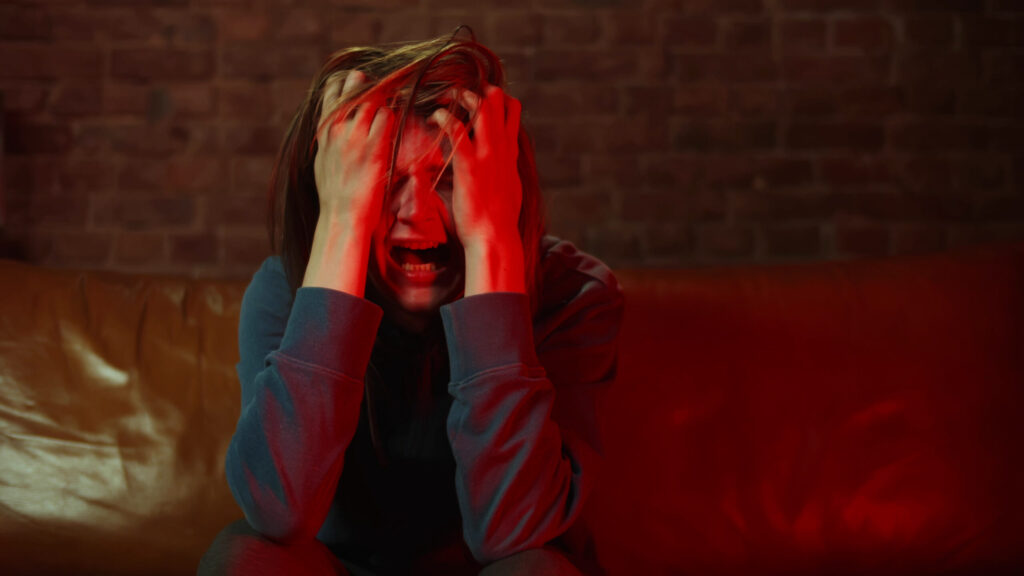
(485, 331)
(331, 329)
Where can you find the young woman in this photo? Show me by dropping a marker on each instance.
(420, 365)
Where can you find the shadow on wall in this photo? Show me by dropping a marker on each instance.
(7, 250)
(8, 247)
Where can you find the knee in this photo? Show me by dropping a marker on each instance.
(239, 549)
(546, 561)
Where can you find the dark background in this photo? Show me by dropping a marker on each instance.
(140, 135)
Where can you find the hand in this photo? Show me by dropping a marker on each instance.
(487, 193)
(352, 157)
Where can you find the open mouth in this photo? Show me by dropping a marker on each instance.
(413, 260)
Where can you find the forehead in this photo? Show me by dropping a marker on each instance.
(422, 146)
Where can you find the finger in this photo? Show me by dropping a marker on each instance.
(471, 102)
(494, 103)
(352, 81)
(335, 94)
(381, 131)
(494, 100)
(469, 99)
(330, 101)
(331, 91)
(455, 131)
(367, 112)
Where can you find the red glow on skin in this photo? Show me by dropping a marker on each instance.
(417, 209)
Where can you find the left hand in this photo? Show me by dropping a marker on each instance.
(487, 194)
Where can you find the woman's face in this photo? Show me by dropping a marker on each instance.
(416, 261)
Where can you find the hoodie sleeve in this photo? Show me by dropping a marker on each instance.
(301, 372)
(522, 425)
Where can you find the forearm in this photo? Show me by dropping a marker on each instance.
(495, 265)
(339, 256)
(287, 454)
(519, 483)
(300, 407)
(515, 477)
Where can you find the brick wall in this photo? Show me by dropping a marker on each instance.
(139, 135)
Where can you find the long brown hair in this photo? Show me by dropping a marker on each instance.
(415, 76)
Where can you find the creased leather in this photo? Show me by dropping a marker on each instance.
(847, 418)
(118, 395)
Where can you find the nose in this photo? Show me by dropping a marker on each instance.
(415, 200)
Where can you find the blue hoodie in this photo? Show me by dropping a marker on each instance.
(467, 443)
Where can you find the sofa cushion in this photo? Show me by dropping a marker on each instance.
(857, 417)
(843, 417)
(118, 396)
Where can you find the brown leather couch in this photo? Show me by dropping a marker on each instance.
(856, 417)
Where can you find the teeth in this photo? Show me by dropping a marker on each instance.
(419, 245)
(428, 267)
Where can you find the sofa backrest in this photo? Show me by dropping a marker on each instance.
(118, 396)
(848, 415)
(856, 417)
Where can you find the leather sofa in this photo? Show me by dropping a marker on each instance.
(849, 417)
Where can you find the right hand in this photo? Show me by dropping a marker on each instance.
(352, 157)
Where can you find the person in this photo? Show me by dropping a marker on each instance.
(421, 365)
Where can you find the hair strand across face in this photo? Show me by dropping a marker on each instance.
(418, 77)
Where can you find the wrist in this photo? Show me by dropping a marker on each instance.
(342, 222)
(495, 264)
(492, 241)
(339, 255)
